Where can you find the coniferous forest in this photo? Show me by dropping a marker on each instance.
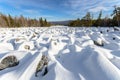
(88, 19)
(21, 21)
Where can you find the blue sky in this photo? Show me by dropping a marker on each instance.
(57, 10)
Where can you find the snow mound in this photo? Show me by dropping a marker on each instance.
(72, 53)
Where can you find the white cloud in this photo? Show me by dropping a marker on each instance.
(31, 11)
(80, 7)
(74, 8)
(99, 8)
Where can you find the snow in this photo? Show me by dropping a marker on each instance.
(71, 51)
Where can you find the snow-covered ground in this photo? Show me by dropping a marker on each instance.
(71, 51)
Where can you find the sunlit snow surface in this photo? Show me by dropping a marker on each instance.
(71, 51)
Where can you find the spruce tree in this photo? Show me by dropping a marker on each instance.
(99, 21)
(4, 21)
(116, 14)
(10, 21)
(41, 22)
(45, 22)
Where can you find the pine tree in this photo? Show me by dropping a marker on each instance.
(3, 21)
(99, 21)
(116, 14)
(41, 22)
(22, 21)
(10, 21)
(106, 21)
(16, 22)
(87, 19)
(45, 22)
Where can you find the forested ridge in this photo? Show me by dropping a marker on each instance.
(21, 21)
(88, 19)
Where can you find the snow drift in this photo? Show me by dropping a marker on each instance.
(72, 53)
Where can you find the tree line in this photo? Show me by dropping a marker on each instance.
(88, 20)
(21, 21)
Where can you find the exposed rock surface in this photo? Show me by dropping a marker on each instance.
(42, 66)
(9, 61)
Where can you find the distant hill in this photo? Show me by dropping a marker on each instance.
(61, 22)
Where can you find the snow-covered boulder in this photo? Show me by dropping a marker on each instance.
(98, 42)
(27, 46)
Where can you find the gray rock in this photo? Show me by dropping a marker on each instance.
(45, 59)
(2, 66)
(9, 61)
(42, 65)
(98, 43)
(27, 47)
